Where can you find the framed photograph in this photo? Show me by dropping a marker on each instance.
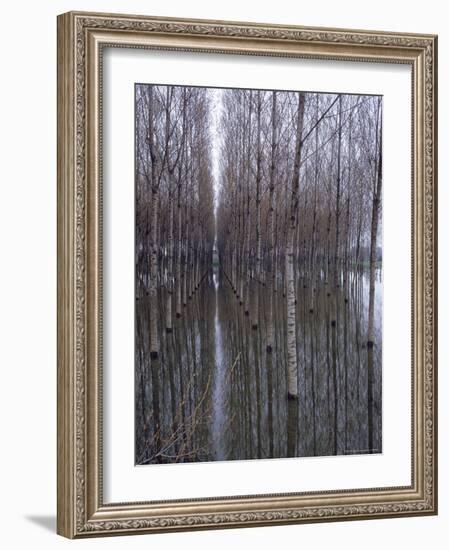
(247, 280)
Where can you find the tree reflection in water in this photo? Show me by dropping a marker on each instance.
(223, 397)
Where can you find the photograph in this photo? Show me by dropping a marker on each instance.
(258, 274)
(247, 282)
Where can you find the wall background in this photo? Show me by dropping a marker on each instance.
(28, 270)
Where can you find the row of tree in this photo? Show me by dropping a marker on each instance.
(174, 241)
(174, 198)
(300, 201)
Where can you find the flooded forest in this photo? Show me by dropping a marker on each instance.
(258, 274)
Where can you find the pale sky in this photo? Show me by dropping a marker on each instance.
(216, 97)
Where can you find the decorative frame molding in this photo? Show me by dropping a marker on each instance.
(81, 36)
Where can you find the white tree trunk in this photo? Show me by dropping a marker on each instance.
(291, 320)
(292, 359)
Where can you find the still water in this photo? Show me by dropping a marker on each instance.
(221, 396)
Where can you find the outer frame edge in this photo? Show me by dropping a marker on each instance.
(67, 519)
(65, 524)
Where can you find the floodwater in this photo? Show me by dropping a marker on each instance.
(215, 393)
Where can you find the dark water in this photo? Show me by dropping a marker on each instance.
(221, 396)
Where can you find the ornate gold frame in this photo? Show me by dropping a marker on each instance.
(81, 36)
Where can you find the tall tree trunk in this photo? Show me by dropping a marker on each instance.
(186, 255)
(255, 316)
(377, 196)
(168, 312)
(179, 255)
(154, 336)
(270, 262)
(336, 285)
(315, 184)
(154, 247)
(337, 208)
(291, 297)
(248, 210)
